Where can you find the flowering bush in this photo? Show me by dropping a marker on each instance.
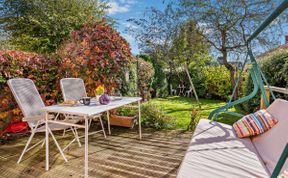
(40, 69)
(96, 53)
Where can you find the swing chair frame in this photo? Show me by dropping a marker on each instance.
(256, 73)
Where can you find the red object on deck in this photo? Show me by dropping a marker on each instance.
(16, 127)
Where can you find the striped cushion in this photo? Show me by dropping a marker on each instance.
(254, 124)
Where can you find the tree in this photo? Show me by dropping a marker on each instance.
(226, 24)
(41, 25)
(168, 37)
(187, 44)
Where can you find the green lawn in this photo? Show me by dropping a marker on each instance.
(180, 109)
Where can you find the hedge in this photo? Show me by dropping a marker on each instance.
(41, 69)
(275, 69)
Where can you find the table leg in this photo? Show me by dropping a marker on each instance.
(108, 119)
(139, 120)
(47, 141)
(86, 147)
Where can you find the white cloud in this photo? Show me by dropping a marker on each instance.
(119, 6)
(129, 25)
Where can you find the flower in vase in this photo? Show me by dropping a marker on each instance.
(99, 90)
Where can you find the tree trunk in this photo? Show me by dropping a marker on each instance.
(232, 73)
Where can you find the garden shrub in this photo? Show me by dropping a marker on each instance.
(159, 81)
(217, 82)
(145, 74)
(275, 69)
(96, 53)
(42, 70)
(129, 88)
(154, 117)
(181, 77)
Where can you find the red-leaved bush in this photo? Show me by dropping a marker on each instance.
(96, 53)
(42, 70)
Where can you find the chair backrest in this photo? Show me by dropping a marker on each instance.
(72, 88)
(27, 97)
(271, 144)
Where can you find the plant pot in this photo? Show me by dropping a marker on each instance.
(123, 121)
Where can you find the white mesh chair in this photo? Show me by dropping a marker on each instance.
(31, 103)
(188, 93)
(172, 90)
(74, 89)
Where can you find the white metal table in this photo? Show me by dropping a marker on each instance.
(87, 112)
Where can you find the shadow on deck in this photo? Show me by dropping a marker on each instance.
(122, 154)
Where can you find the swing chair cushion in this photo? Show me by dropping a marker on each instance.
(254, 124)
(271, 144)
(216, 151)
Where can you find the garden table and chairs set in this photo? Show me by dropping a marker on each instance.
(41, 118)
(182, 91)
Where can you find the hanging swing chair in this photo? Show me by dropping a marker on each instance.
(216, 151)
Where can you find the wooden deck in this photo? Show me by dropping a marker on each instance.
(122, 154)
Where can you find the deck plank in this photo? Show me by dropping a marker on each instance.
(121, 155)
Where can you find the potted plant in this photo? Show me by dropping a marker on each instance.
(124, 117)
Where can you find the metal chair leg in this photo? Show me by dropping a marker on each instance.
(64, 132)
(26, 146)
(90, 121)
(43, 143)
(100, 119)
(76, 135)
(56, 143)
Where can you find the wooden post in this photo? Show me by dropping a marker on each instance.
(267, 92)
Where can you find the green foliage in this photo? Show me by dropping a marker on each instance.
(275, 69)
(188, 45)
(210, 81)
(145, 75)
(154, 117)
(129, 88)
(42, 25)
(159, 81)
(217, 82)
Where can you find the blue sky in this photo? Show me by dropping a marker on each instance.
(122, 10)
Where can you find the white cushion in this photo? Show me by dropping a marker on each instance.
(271, 144)
(216, 151)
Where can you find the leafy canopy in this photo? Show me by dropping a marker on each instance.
(41, 25)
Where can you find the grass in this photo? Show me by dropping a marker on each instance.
(180, 109)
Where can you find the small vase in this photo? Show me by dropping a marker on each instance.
(97, 98)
